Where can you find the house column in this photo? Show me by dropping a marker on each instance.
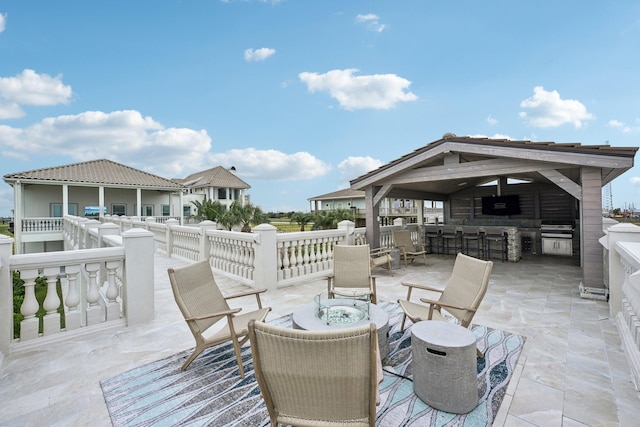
(65, 200)
(101, 201)
(18, 215)
(591, 228)
(181, 209)
(139, 202)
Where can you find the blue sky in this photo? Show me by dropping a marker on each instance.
(301, 96)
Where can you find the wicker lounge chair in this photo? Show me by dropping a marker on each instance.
(409, 251)
(317, 378)
(203, 305)
(352, 273)
(381, 257)
(460, 298)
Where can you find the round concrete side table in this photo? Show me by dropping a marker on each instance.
(444, 366)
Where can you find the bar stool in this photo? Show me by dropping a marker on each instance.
(432, 232)
(472, 234)
(449, 234)
(496, 235)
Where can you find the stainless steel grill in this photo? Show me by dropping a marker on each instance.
(557, 239)
(557, 231)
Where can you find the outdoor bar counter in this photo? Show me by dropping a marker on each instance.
(513, 238)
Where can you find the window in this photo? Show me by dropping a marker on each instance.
(56, 209)
(147, 210)
(166, 210)
(118, 209)
(186, 210)
(222, 193)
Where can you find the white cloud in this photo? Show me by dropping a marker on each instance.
(3, 21)
(353, 167)
(635, 180)
(492, 121)
(255, 55)
(31, 88)
(272, 165)
(624, 127)
(123, 136)
(372, 21)
(377, 91)
(494, 136)
(548, 110)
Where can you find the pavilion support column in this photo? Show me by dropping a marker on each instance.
(371, 216)
(591, 255)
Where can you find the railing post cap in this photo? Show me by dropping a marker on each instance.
(137, 232)
(624, 228)
(265, 227)
(108, 225)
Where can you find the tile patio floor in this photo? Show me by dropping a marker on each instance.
(572, 371)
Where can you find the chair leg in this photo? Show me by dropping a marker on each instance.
(404, 317)
(190, 359)
(236, 348)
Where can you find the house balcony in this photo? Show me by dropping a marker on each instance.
(575, 368)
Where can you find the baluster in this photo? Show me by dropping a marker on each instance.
(313, 244)
(112, 288)
(51, 303)
(30, 306)
(280, 256)
(306, 246)
(285, 260)
(300, 248)
(72, 316)
(112, 306)
(93, 295)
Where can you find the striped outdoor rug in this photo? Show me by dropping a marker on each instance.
(211, 392)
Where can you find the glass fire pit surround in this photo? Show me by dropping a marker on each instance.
(341, 311)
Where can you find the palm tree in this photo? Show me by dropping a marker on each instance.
(301, 218)
(326, 220)
(208, 210)
(245, 215)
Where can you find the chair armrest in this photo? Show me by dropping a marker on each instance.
(255, 292)
(380, 252)
(423, 287)
(445, 305)
(218, 313)
(246, 293)
(410, 287)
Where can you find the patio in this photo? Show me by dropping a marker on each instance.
(572, 371)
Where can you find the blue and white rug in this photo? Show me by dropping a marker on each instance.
(211, 393)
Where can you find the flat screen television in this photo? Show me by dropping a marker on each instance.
(501, 205)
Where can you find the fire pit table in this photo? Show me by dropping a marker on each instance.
(326, 314)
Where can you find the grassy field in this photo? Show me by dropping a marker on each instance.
(4, 229)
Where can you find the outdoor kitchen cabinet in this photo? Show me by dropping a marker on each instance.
(551, 246)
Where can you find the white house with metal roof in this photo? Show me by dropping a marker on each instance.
(217, 184)
(91, 189)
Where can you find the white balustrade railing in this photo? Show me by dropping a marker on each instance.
(232, 254)
(306, 254)
(622, 253)
(186, 242)
(87, 285)
(41, 225)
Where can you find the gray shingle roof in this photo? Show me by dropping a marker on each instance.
(101, 172)
(214, 177)
(347, 193)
